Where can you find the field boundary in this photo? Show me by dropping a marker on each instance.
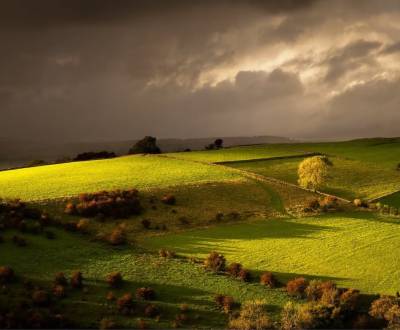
(253, 160)
(376, 199)
(262, 178)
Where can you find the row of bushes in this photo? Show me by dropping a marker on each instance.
(115, 204)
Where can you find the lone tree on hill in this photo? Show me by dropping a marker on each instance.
(147, 145)
(218, 143)
(313, 172)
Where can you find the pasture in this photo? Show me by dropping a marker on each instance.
(356, 250)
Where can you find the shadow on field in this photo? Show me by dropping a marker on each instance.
(206, 240)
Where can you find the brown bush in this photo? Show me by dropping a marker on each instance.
(330, 297)
(114, 279)
(349, 299)
(360, 203)
(145, 293)
(151, 310)
(59, 291)
(60, 279)
(77, 280)
(169, 199)
(111, 296)
(215, 262)
(313, 204)
(316, 289)
(83, 225)
(393, 317)
(107, 324)
(226, 303)
(289, 316)
(118, 236)
(125, 304)
(166, 253)
(234, 269)
(115, 204)
(382, 305)
(244, 275)
(251, 316)
(314, 316)
(297, 287)
(7, 274)
(40, 298)
(268, 279)
(184, 308)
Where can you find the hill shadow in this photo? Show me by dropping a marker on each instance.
(205, 240)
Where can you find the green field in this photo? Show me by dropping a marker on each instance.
(250, 219)
(354, 250)
(175, 281)
(141, 172)
(239, 153)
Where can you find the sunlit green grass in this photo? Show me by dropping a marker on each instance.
(356, 250)
(239, 153)
(347, 178)
(142, 172)
(175, 281)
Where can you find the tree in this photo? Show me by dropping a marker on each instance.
(312, 172)
(147, 145)
(218, 143)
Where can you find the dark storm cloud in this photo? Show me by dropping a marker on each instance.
(90, 69)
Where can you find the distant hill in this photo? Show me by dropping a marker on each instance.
(14, 153)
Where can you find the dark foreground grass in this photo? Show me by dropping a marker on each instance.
(176, 281)
(358, 250)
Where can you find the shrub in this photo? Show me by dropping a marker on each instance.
(251, 316)
(316, 289)
(147, 145)
(215, 262)
(169, 199)
(312, 172)
(289, 316)
(59, 291)
(151, 310)
(313, 316)
(114, 279)
(234, 269)
(330, 297)
(40, 298)
(110, 296)
(115, 204)
(106, 324)
(77, 280)
(382, 305)
(359, 203)
(297, 287)
(166, 253)
(329, 203)
(268, 279)
(393, 317)
(313, 204)
(125, 304)
(226, 303)
(60, 279)
(349, 299)
(94, 155)
(145, 294)
(7, 274)
(118, 236)
(244, 275)
(83, 225)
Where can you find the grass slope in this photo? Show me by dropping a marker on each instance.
(239, 153)
(175, 281)
(142, 172)
(357, 250)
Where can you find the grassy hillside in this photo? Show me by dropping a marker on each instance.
(355, 250)
(175, 281)
(141, 172)
(239, 153)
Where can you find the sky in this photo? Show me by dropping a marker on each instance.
(112, 70)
